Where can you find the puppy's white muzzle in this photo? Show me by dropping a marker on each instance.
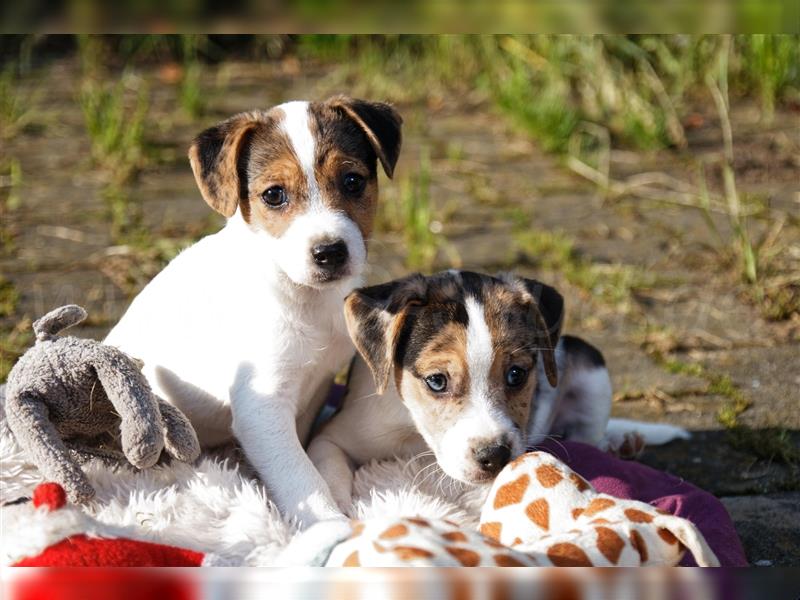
(321, 246)
(477, 447)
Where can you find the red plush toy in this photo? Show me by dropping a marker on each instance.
(96, 545)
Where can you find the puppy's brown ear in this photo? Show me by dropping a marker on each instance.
(547, 307)
(380, 122)
(375, 319)
(215, 158)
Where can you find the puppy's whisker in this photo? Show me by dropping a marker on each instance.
(421, 471)
(408, 464)
(421, 454)
(430, 474)
(555, 439)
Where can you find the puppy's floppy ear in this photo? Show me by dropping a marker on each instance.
(215, 158)
(547, 306)
(380, 122)
(375, 318)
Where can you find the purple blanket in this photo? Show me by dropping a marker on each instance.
(629, 479)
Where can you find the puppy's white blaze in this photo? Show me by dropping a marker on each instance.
(490, 418)
(297, 127)
(480, 351)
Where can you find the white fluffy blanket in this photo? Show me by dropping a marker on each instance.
(216, 505)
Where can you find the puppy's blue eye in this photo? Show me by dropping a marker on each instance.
(436, 382)
(516, 376)
(274, 196)
(353, 183)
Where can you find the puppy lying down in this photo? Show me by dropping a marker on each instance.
(469, 367)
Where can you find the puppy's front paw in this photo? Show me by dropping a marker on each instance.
(313, 547)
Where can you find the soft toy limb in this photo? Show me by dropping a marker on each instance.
(81, 452)
(180, 439)
(25, 412)
(58, 320)
(128, 391)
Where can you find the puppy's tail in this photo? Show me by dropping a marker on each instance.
(56, 321)
(620, 432)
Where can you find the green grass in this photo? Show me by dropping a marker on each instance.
(772, 444)
(14, 340)
(770, 66)
(9, 298)
(638, 86)
(115, 115)
(779, 302)
(124, 215)
(553, 251)
(17, 104)
(718, 384)
(11, 180)
(412, 215)
(191, 95)
(13, 343)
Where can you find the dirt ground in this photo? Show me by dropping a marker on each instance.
(681, 337)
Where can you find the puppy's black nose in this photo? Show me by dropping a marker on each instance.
(493, 458)
(330, 256)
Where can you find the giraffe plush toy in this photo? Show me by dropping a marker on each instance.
(538, 513)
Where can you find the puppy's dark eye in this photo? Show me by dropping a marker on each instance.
(274, 196)
(437, 382)
(516, 376)
(353, 183)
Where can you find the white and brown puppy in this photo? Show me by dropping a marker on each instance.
(469, 366)
(244, 330)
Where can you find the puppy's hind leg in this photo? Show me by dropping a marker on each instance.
(584, 393)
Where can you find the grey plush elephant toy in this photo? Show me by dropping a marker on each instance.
(70, 399)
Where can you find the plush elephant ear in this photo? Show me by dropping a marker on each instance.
(380, 122)
(375, 317)
(215, 158)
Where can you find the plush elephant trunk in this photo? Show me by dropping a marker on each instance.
(47, 327)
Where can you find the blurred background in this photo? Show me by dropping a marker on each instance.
(655, 180)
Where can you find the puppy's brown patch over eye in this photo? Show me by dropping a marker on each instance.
(351, 137)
